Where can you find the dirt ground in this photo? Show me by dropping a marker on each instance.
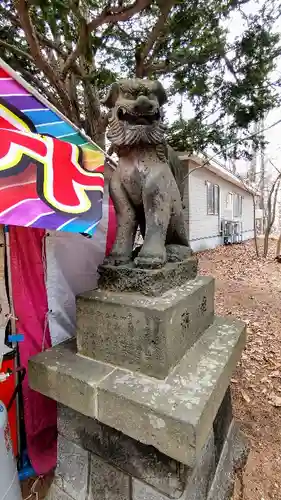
(38, 486)
(250, 289)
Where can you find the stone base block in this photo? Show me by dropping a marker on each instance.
(143, 462)
(151, 282)
(56, 493)
(207, 482)
(99, 467)
(233, 457)
(145, 334)
(174, 415)
(107, 482)
(197, 480)
(72, 469)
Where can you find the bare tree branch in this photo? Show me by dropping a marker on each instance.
(46, 42)
(154, 35)
(38, 57)
(15, 50)
(271, 206)
(274, 166)
(37, 82)
(271, 211)
(51, 44)
(275, 201)
(10, 16)
(230, 68)
(110, 15)
(167, 66)
(278, 249)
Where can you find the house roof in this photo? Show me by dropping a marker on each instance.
(218, 169)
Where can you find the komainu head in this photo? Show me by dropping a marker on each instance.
(135, 112)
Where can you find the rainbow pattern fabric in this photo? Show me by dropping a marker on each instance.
(51, 175)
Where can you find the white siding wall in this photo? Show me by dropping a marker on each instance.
(204, 229)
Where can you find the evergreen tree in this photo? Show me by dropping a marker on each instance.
(72, 50)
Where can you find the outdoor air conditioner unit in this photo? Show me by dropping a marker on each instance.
(231, 231)
(227, 226)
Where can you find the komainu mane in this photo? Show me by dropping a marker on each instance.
(147, 186)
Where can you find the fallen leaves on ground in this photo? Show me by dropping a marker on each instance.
(249, 288)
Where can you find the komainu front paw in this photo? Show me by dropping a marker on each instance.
(178, 253)
(116, 259)
(150, 260)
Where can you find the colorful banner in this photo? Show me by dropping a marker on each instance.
(51, 175)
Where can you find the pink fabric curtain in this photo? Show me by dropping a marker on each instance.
(30, 305)
(27, 261)
(111, 231)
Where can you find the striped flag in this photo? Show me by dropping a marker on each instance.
(51, 174)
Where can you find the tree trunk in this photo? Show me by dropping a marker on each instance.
(278, 247)
(262, 181)
(255, 227)
(266, 241)
(271, 212)
(94, 122)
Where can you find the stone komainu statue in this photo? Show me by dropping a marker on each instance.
(147, 186)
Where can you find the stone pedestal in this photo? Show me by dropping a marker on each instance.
(100, 462)
(144, 334)
(145, 409)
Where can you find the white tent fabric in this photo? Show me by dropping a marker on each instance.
(71, 268)
(4, 303)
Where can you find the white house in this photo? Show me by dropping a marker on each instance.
(218, 205)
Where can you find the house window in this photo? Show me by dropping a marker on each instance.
(229, 201)
(237, 205)
(213, 192)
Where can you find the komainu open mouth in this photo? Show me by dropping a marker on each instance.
(137, 118)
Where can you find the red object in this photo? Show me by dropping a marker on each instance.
(112, 227)
(30, 305)
(6, 391)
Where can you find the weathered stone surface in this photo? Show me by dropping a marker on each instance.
(176, 415)
(152, 282)
(107, 482)
(141, 491)
(178, 253)
(147, 186)
(146, 334)
(197, 483)
(206, 482)
(56, 493)
(222, 423)
(233, 457)
(61, 375)
(138, 460)
(72, 469)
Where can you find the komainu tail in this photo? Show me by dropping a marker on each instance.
(166, 153)
(177, 168)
